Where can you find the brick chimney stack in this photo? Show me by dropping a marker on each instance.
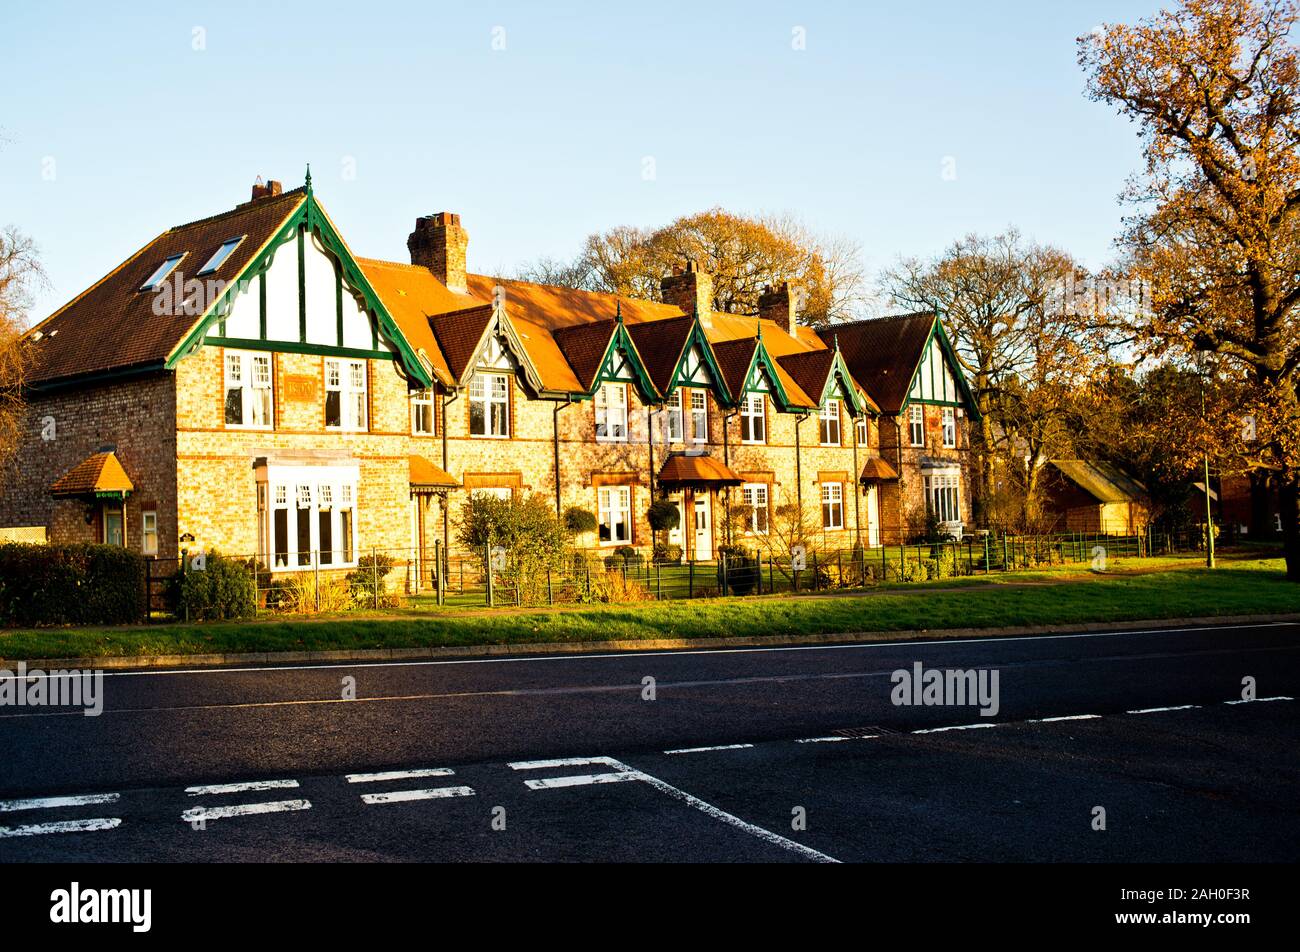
(779, 303)
(438, 243)
(267, 190)
(691, 290)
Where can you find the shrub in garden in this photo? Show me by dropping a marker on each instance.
(535, 540)
(368, 582)
(70, 584)
(578, 520)
(667, 553)
(223, 589)
(743, 570)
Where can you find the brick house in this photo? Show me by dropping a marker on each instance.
(246, 383)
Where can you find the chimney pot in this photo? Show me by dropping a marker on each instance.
(268, 190)
(691, 290)
(779, 305)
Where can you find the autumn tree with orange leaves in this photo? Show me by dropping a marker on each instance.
(1214, 88)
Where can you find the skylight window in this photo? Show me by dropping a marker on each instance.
(159, 276)
(221, 254)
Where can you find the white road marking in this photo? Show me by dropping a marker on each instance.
(198, 814)
(1066, 717)
(399, 775)
(249, 787)
(1260, 700)
(625, 773)
(1161, 710)
(585, 780)
(705, 750)
(51, 803)
(564, 762)
(401, 796)
(955, 727)
(62, 826)
(577, 656)
(827, 740)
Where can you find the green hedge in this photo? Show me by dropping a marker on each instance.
(223, 589)
(70, 585)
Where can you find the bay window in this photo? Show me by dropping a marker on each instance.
(615, 514)
(753, 419)
(489, 405)
(248, 389)
(345, 394)
(942, 497)
(307, 516)
(611, 413)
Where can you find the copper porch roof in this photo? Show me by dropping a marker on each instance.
(98, 473)
(690, 468)
(877, 471)
(425, 475)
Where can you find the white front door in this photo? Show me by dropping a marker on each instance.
(873, 515)
(703, 532)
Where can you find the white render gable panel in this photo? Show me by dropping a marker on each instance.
(934, 380)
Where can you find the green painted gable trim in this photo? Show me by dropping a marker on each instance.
(763, 360)
(622, 340)
(308, 216)
(938, 334)
(698, 337)
(289, 347)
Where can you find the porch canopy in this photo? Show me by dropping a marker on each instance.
(427, 478)
(877, 471)
(98, 476)
(696, 470)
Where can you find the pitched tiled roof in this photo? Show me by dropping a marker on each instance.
(554, 307)
(660, 344)
(112, 326)
(1103, 481)
(459, 333)
(809, 370)
(877, 471)
(695, 468)
(583, 346)
(883, 353)
(98, 473)
(411, 294)
(734, 358)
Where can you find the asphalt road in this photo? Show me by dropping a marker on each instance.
(805, 757)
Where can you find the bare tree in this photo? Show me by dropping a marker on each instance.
(20, 273)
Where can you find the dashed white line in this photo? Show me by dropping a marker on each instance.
(1260, 700)
(402, 796)
(51, 803)
(399, 775)
(564, 762)
(248, 787)
(955, 727)
(1161, 710)
(1066, 717)
(199, 814)
(828, 740)
(705, 750)
(61, 826)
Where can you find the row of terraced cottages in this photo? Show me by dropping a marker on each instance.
(246, 383)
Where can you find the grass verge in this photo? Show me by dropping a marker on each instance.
(1173, 590)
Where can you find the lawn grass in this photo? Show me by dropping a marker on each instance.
(1147, 589)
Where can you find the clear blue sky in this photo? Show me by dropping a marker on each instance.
(542, 142)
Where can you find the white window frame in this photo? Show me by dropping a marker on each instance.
(674, 427)
(162, 272)
(699, 416)
(304, 493)
(489, 395)
(949, 428)
(829, 416)
(422, 404)
(915, 425)
(611, 413)
(943, 496)
(832, 506)
(614, 515)
(220, 256)
(757, 497)
(341, 377)
(149, 532)
(252, 376)
(860, 431)
(753, 415)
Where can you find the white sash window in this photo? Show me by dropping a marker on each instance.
(345, 394)
(248, 389)
(611, 413)
(753, 419)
